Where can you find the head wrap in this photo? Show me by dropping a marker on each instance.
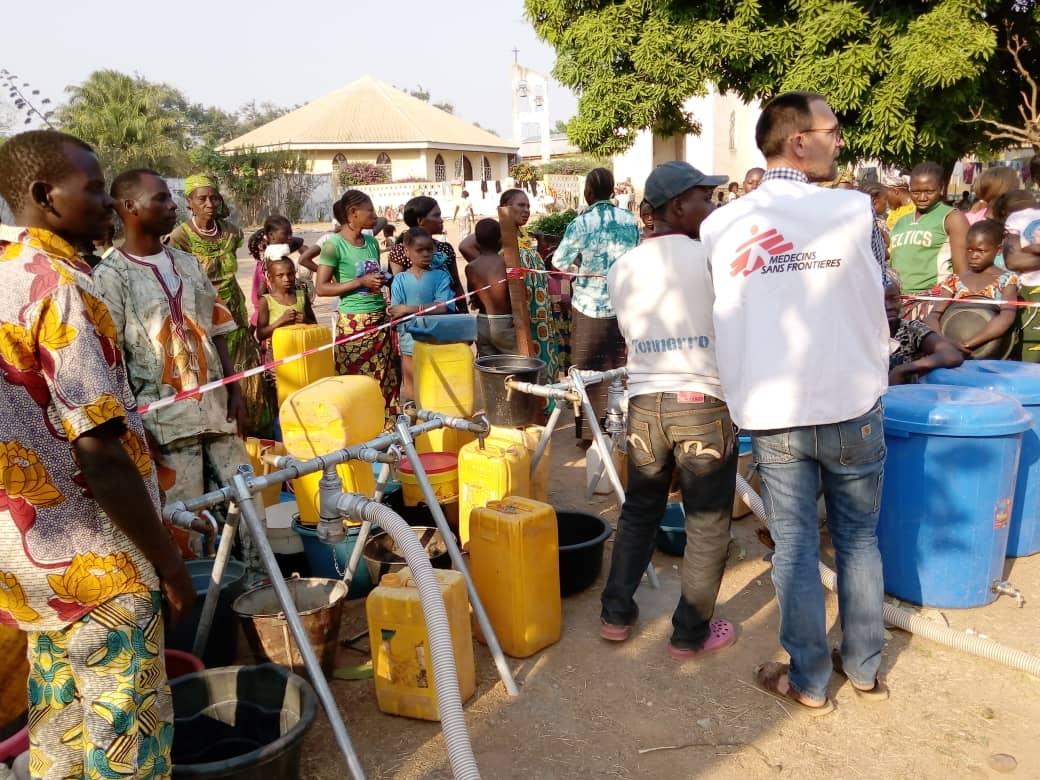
(276, 251)
(897, 182)
(197, 180)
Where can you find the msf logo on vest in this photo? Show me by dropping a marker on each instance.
(769, 252)
(756, 253)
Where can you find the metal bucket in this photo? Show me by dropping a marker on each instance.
(320, 604)
(383, 556)
(503, 406)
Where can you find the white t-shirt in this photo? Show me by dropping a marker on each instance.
(163, 263)
(661, 292)
(1026, 224)
(802, 337)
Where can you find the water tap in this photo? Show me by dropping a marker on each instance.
(485, 423)
(615, 418)
(1005, 588)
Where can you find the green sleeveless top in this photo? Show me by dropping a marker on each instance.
(276, 309)
(920, 249)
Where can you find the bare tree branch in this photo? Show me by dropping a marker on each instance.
(1029, 109)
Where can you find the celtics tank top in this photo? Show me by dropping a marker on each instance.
(920, 249)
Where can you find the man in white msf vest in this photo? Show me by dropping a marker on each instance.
(802, 345)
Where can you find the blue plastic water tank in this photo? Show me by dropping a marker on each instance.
(949, 481)
(1021, 381)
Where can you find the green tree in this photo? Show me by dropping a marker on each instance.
(258, 183)
(130, 121)
(209, 125)
(903, 77)
(560, 127)
(445, 106)
(252, 115)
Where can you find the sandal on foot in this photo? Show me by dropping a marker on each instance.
(613, 632)
(721, 633)
(767, 677)
(878, 693)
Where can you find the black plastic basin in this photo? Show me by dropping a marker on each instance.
(581, 549)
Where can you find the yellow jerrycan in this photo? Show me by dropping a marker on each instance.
(528, 437)
(292, 340)
(444, 383)
(515, 564)
(401, 660)
(498, 470)
(328, 415)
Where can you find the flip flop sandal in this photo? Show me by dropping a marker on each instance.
(721, 634)
(614, 633)
(767, 677)
(878, 693)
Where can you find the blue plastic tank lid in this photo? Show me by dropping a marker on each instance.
(1010, 377)
(949, 410)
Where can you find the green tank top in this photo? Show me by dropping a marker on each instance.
(276, 309)
(920, 249)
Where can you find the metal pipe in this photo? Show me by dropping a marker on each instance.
(459, 423)
(330, 528)
(290, 468)
(593, 377)
(543, 441)
(366, 527)
(604, 451)
(456, 558)
(541, 391)
(244, 499)
(216, 578)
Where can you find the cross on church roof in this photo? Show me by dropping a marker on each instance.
(516, 55)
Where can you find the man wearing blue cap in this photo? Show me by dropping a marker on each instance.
(677, 416)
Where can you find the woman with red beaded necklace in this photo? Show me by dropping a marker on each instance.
(214, 241)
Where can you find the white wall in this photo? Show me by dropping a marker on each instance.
(709, 152)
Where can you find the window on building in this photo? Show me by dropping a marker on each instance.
(339, 161)
(440, 172)
(733, 131)
(485, 169)
(467, 169)
(383, 162)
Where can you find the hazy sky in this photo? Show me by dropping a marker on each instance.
(228, 52)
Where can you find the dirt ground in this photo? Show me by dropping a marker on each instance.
(587, 708)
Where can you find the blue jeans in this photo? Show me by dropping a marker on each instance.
(850, 458)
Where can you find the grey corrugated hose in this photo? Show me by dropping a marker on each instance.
(449, 700)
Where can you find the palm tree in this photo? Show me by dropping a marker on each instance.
(130, 121)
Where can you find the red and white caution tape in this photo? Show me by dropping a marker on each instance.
(197, 391)
(518, 273)
(973, 301)
(512, 273)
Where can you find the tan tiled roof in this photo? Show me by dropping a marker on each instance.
(368, 112)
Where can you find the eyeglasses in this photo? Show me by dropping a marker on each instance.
(836, 130)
